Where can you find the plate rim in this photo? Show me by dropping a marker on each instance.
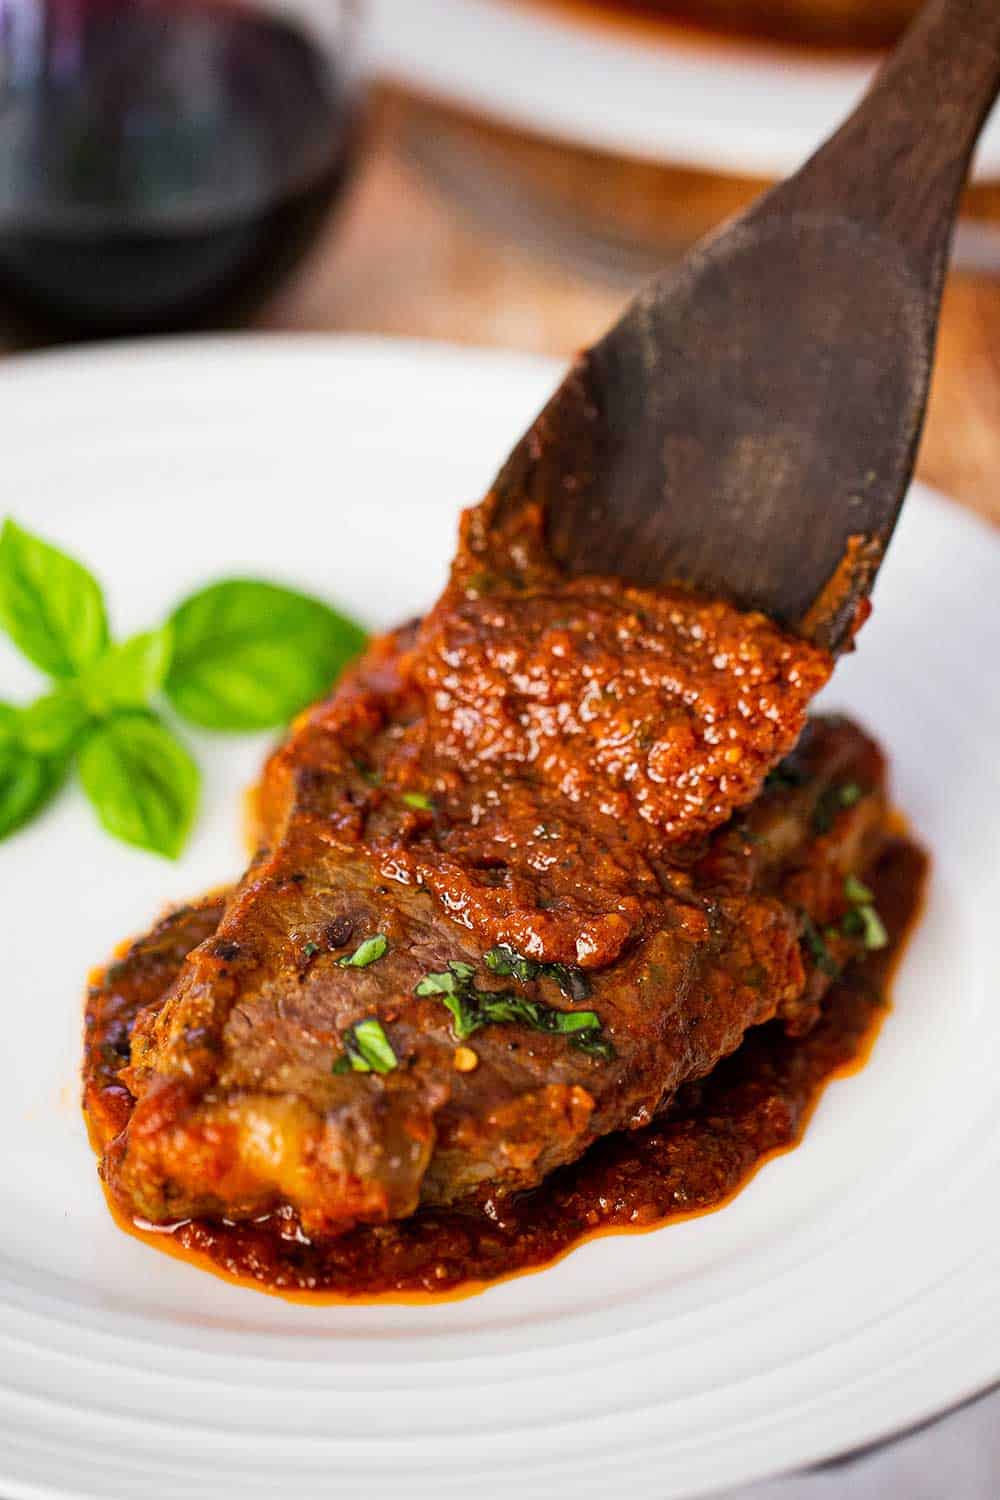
(404, 43)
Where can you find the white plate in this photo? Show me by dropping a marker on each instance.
(744, 109)
(852, 1288)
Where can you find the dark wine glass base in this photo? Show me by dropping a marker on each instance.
(55, 287)
(165, 166)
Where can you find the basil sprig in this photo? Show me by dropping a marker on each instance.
(238, 655)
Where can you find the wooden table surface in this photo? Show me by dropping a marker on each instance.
(406, 257)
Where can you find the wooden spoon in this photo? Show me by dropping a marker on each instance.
(750, 425)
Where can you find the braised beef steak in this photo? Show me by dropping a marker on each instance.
(518, 881)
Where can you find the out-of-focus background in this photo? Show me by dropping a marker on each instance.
(498, 172)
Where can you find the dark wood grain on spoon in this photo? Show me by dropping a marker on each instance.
(759, 407)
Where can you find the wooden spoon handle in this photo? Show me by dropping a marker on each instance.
(901, 158)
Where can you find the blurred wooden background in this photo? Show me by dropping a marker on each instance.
(458, 230)
(407, 256)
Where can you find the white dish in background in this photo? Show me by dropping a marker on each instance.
(852, 1288)
(664, 97)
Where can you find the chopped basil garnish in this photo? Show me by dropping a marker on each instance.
(310, 950)
(856, 891)
(821, 955)
(504, 960)
(784, 775)
(367, 1049)
(368, 952)
(472, 1008)
(418, 800)
(449, 982)
(830, 803)
(863, 920)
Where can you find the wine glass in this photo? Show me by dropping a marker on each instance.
(165, 163)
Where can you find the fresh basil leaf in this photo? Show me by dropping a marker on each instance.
(27, 783)
(128, 674)
(10, 723)
(142, 782)
(53, 724)
(249, 655)
(368, 952)
(50, 605)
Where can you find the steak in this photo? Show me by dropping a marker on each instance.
(517, 881)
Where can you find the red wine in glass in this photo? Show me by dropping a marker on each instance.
(164, 164)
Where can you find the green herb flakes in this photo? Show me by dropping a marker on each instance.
(503, 960)
(820, 953)
(367, 1049)
(471, 1008)
(368, 952)
(785, 774)
(856, 891)
(846, 794)
(863, 920)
